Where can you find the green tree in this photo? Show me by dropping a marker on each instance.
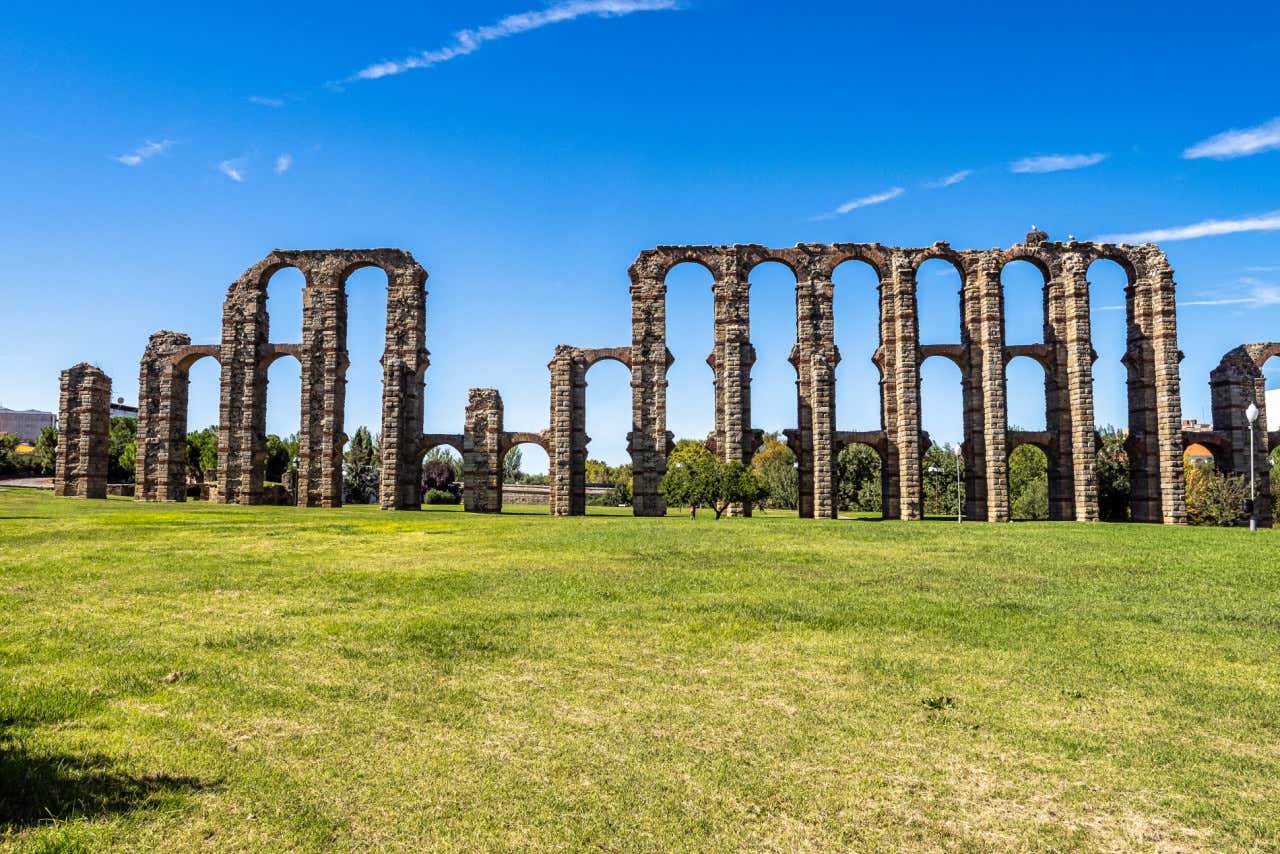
(938, 474)
(279, 459)
(47, 449)
(858, 479)
(360, 472)
(8, 453)
(598, 472)
(202, 454)
(775, 463)
(730, 483)
(1028, 483)
(445, 454)
(703, 481)
(511, 463)
(121, 434)
(688, 452)
(1113, 476)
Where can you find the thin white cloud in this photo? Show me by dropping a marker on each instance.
(1238, 142)
(265, 102)
(143, 152)
(1259, 292)
(468, 41)
(1110, 308)
(951, 180)
(1266, 268)
(233, 169)
(864, 201)
(283, 162)
(1055, 163)
(1207, 228)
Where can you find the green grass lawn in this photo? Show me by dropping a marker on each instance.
(200, 677)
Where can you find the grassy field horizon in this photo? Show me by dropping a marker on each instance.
(195, 676)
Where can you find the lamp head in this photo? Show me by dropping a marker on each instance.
(1251, 412)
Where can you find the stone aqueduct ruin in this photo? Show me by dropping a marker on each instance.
(1155, 441)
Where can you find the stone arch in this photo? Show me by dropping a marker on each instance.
(877, 442)
(1043, 442)
(772, 282)
(322, 354)
(1236, 382)
(163, 392)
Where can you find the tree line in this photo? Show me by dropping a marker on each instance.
(694, 476)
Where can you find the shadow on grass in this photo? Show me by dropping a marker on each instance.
(37, 788)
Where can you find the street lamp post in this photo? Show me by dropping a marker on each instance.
(1252, 414)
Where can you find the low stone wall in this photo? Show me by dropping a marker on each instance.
(537, 493)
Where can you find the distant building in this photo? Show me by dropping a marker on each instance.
(26, 423)
(1195, 452)
(119, 408)
(1273, 409)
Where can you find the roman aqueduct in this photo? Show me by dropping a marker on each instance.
(1154, 444)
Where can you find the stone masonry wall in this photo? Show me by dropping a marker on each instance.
(981, 352)
(84, 419)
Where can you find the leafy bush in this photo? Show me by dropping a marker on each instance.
(1214, 498)
(439, 496)
(775, 463)
(1028, 483)
(121, 436)
(437, 475)
(1113, 477)
(1032, 501)
(858, 479)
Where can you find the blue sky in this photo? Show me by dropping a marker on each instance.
(525, 153)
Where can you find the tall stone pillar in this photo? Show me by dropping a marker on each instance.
(648, 441)
(902, 426)
(84, 420)
(1072, 272)
(568, 432)
(1235, 383)
(242, 422)
(482, 452)
(984, 322)
(324, 361)
(404, 365)
(1165, 441)
(161, 445)
(732, 361)
(815, 358)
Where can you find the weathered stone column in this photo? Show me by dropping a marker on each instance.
(898, 311)
(84, 420)
(732, 362)
(161, 445)
(482, 452)
(648, 440)
(568, 432)
(1235, 383)
(242, 421)
(324, 361)
(984, 324)
(815, 358)
(1072, 272)
(404, 365)
(1165, 442)
(1073, 490)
